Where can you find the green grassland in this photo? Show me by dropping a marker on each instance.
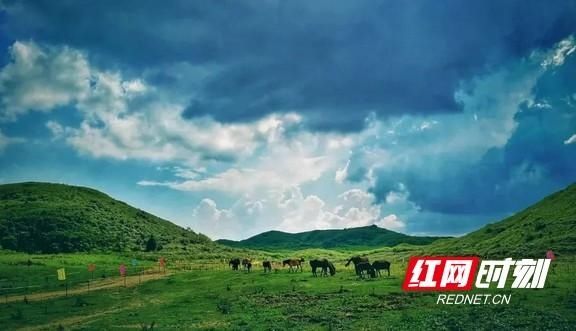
(212, 297)
(52, 218)
(198, 291)
(548, 224)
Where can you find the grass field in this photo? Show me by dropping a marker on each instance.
(212, 297)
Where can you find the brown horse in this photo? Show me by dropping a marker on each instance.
(381, 265)
(294, 264)
(267, 266)
(356, 260)
(325, 265)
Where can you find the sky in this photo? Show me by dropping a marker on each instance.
(238, 117)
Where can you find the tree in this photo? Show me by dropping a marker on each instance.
(151, 244)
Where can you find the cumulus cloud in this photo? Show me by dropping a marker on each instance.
(292, 211)
(122, 118)
(158, 134)
(41, 78)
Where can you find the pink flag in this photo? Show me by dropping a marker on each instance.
(122, 270)
(550, 255)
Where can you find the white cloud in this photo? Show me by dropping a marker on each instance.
(6, 141)
(282, 163)
(41, 78)
(559, 53)
(290, 211)
(123, 119)
(391, 222)
(570, 140)
(342, 173)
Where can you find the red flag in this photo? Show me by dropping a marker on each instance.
(550, 255)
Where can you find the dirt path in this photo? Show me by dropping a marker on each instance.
(71, 321)
(96, 285)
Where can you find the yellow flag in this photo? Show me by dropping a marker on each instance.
(61, 274)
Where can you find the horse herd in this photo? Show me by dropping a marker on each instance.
(362, 266)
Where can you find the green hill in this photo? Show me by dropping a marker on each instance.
(548, 224)
(51, 218)
(361, 237)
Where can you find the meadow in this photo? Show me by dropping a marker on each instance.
(204, 294)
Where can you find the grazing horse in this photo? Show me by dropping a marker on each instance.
(267, 266)
(234, 263)
(364, 268)
(293, 264)
(325, 265)
(247, 264)
(356, 260)
(381, 265)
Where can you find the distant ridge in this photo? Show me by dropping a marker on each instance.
(52, 218)
(360, 237)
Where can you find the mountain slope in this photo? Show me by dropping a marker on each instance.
(49, 218)
(548, 224)
(361, 237)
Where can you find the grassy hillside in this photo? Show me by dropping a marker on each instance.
(362, 237)
(548, 224)
(48, 218)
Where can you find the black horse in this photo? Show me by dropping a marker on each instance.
(246, 264)
(234, 263)
(356, 260)
(365, 268)
(325, 265)
(267, 266)
(381, 265)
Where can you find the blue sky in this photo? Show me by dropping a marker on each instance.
(237, 117)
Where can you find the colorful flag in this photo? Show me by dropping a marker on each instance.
(550, 255)
(122, 270)
(91, 267)
(162, 262)
(61, 274)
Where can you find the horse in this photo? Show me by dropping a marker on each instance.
(293, 263)
(246, 264)
(325, 265)
(381, 265)
(356, 260)
(234, 263)
(267, 266)
(365, 267)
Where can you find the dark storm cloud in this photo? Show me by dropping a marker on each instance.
(533, 163)
(334, 62)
